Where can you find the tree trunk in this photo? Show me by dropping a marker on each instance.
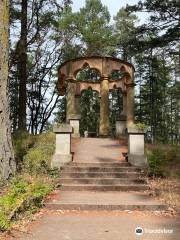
(22, 67)
(7, 161)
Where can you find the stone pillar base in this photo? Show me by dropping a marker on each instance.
(60, 160)
(138, 160)
(62, 154)
(136, 153)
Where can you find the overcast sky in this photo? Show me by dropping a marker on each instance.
(113, 6)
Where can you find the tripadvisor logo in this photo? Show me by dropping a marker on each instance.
(139, 231)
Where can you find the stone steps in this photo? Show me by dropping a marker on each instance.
(103, 187)
(100, 174)
(101, 181)
(97, 164)
(90, 200)
(100, 169)
(105, 207)
(105, 181)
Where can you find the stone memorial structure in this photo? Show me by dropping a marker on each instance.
(68, 83)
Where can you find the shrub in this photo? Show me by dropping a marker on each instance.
(164, 160)
(156, 159)
(23, 194)
(22, 142)
(38, 158)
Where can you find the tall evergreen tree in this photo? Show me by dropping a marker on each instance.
(7, 160)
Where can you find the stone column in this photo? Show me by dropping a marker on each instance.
(77, 104)
(130, 104)
(63, 145)
(70, 99)
(136, 152)
(121, 122)
(124, 112)
(73, 108)
(104, 107)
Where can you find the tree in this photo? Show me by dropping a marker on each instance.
(125, 32)
(163, 25)
(44, 52)
(92, 23)
(87, 32)
(7, 160)
(21, 50)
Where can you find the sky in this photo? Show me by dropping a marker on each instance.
(113, 6)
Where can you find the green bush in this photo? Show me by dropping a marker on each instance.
(164, 160)
(156, 159)
(38, 158)
(23, 194)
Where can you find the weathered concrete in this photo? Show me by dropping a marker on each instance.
(101, 225)
(99, 150)
(63, 145)
(136, 148)
(86, 200)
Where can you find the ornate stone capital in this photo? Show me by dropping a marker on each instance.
(105, 77)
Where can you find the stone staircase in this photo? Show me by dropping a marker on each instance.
(99, 179)
(112, 176)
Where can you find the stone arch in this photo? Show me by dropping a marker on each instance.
(116, 75)
(90, 74)
(105, 66)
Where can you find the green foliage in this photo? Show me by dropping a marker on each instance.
(163, 24)
(164, 161)
(92, 23)
(89, 111)
(90, 28)
(23, 194)
(125, 32)
(22, 142)
(140, 126)
(156, 160)
(38, 158)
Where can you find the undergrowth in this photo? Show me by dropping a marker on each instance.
(164, 161)
(34, 180)
(24, 194)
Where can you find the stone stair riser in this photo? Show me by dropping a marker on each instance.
(101, 181)
(99, 169)
(86, 187)
(100, 207)
(100, 174)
